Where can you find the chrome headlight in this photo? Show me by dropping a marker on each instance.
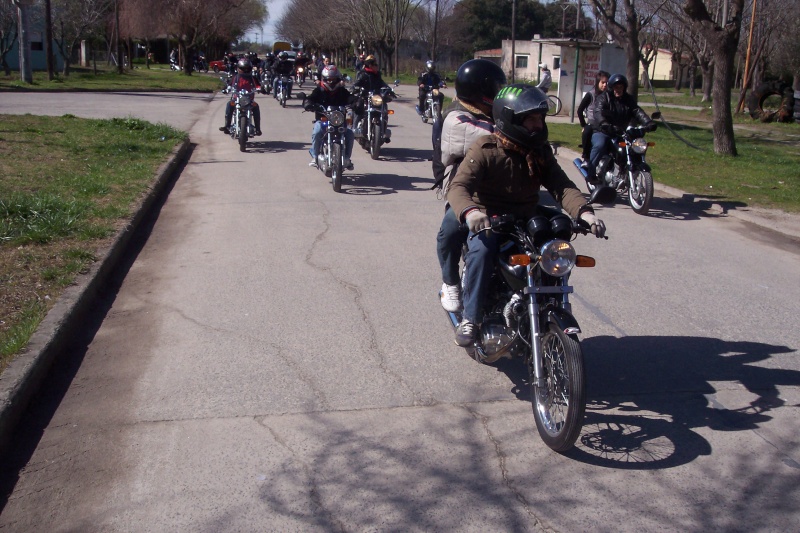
(299, 70)
(377, 100)
(557, 257)
(436, 92)
(639, 145)
(336, 118)
(245, 99)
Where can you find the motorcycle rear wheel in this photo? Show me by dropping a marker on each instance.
(640, 192)
(242, 134)
(336, 167)
(559, 406)
(283, 97)
(375, 145)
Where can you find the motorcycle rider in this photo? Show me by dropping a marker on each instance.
(468, 117)
(322, 62)
(614, 110)
(330, 92)
(269, 75)
(173, 56)
(243, 79)
(302, 61)
(369, 80)
(283, 67)
(586, 113)
(429, 78)
(546, 80)
(230, 63)
(256, 62)
(502, 174)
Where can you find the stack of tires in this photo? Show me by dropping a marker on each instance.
(786, 112)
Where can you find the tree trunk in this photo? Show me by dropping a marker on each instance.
(724, 141)
(708, 81)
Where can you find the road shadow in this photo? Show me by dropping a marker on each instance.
(274, 147)
(406, 155)
(647, 396)
(381, 184)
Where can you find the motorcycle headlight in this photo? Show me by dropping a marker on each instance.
(299, 70)
(377, 100)
(436, 92)
(639, 145)
(336, 118)
(557, 257)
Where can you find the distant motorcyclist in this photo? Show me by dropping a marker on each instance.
(256, 62)
(243, 79)
(465, 120)
(614, 110)
(230, 61)
(369, 80)
(322, 62)
(330, 92)
(302, 61)
(586, 113)
(429, 78)
(283, 67)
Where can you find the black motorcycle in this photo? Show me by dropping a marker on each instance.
(527, 314)
(372, 130)
(625, 169)
(335, 121)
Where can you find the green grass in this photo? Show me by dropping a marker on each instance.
(158, 77)
(67, 185)
(766, 173)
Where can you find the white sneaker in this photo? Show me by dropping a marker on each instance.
(451, 297)
(313, 163)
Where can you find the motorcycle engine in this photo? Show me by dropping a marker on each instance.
(496, 338)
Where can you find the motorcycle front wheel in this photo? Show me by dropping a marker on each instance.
(336, 167)
(375, 145)
(283, 97)
(640, 192)
(560, 403)
(243, 134)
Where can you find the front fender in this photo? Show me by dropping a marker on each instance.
(563, 319)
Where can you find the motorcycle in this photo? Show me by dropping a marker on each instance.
(527, 314)
(200, 64)
(433, 108)
(300, 76)
(372, 130)
(626, 169)
(173, 65)
(335, 121)
(267, 78)
(282, 90)
(242, 124)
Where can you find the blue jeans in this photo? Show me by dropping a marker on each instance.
(288, 86)
(481, 254)
(451, 238)
(601, 144)
(317, 136)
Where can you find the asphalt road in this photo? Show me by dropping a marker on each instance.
(274, 358)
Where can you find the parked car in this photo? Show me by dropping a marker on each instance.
(217, 66)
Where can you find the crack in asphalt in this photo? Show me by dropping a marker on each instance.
(501, 458)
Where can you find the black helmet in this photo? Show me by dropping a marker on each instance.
(245, 65)
(430, 66)
(618, 78)
(479, 80)
(512, 104)
(283, 56)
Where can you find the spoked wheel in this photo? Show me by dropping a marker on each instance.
(640, 192)
(243, 134)
(559, 405)
(554, 105)
(375, 146)
(336, 167)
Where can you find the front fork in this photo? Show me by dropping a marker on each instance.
(536, 332)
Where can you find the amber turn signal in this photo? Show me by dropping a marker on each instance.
(584, 261)
(391, 111)
(519, 260)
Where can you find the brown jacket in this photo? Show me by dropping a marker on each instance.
(499, 181)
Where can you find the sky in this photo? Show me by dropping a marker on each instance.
(276, 9)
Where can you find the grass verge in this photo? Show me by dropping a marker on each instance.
(67, 185)
(142, 79)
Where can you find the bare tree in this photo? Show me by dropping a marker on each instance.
(8, 32)
(76, 19)
(721, 31)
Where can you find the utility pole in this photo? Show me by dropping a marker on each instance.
(25, 68)
(435, 29)
(396, 38)
(48, 40)
(513, 40)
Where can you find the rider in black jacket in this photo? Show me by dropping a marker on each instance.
(283, 67)
(614, 110)
(429, 78)
(330, 92)
(369, 80)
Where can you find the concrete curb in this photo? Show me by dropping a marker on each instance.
(23, 377)
(771, 219)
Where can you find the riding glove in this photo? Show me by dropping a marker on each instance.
(477, 221)
(597, 226)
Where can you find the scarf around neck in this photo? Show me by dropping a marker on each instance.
(533, 157)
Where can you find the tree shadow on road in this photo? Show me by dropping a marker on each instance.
(382, 184)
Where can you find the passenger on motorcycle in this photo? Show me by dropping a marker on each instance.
(369, 80)
(330, 92)
(467, 118)
(614, 110)
(243, 79)
(502, 174)
(283, 67)
(586, 113)
(429, 78)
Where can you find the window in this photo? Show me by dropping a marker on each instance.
(522, 62)
(556, 62)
